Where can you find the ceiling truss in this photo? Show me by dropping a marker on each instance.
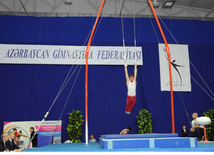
(57, 8)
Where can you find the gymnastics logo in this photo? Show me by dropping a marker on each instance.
(179, 65)
(175, 66)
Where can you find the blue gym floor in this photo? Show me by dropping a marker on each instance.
(96, 147)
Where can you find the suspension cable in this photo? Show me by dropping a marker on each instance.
(159, 42)
(182, 101)
(192, 66)
(67, 99)
(65, 82)
(151, 22)
(203, 89)
(134, 27)
(123, 35)
(201, 78)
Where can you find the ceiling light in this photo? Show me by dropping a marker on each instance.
(155, 3)
(68, 2)
(168, 4)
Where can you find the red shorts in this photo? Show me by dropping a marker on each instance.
(130, 102)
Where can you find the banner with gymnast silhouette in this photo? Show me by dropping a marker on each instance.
(180, 67)
(66, 55)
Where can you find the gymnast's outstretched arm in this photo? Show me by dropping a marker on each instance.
(135, 73)
(20, 134)
(126, 74)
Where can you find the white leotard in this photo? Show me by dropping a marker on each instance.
(92, 140)
(131, 86)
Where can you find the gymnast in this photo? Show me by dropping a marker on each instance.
(131, 86)
(125, 131)
(92, 138)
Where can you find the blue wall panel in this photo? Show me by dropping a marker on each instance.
(27, 91)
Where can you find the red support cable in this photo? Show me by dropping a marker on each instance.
(170, 69)
(86, 72)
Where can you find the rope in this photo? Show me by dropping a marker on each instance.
(58, 94)
(192, 66)
(151, 22)
(134, 28)
(65, 82)
(201, 78)
(182, 101)
(203, 89)
(100, 19)
(191, 76)
(168, 30)
(123, 36)
(67, 99)
(135, 42)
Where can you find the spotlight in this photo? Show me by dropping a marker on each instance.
(155, 3)
(168, 4)
(68, 2)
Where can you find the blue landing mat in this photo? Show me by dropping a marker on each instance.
(145, 135)
(96, 147)
(134, 143)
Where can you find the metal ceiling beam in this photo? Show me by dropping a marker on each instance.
(121, 9)
(126, 9)
(141, 10)
(187, 7)
(42, 14)
(165, 12)
(116, 6)
(34, 6)
(183, 9)
(93, 6)
(14, 5)
(5, 6)
(56, 6)
(23, 7)
(193, 11)
(49, 4)
(209, 12)
(23, 4)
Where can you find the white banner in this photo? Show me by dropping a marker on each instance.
(47, 128)
(53, 54)
(180, 68)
